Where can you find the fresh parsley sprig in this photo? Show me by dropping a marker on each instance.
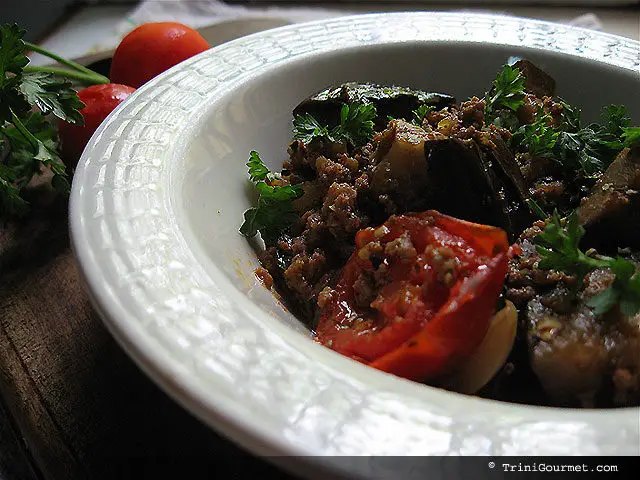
(507, 91)
(356, 126)
(420, 113)
(356, 123)
(28, 141)
(258, 171)
(274, 212)
(630, 136)
(538, 138)
(306, 129)
(558, 246)
(590, 150)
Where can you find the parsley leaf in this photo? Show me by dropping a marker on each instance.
(579, 152)
(624, 291)
(538, 138)
(306, 129)
(12, 61)
(570, 117)
(11, 203)
(52, 95)
(12, 57)
(356, 123)
(630, 136)
(508, 90)
(591, 150)
(257, 170)
(28, 139)
(274, 212)
(356, 126)
(420, 113)
(558, 249)
(24, 162)
(615, 119)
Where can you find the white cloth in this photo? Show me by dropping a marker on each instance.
(204, 13)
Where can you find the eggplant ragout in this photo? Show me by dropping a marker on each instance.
(488, 246)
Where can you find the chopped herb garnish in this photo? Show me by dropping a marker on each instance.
(630, 136)
(356, 123)
(587, 151)
(591, 150)
(356, 126)
(558, 246)
(274, 212)
(258, 171)
(420, 113)
(306, 129)
(538, 138)
(507, 92)
(536, 209)
(570, 117)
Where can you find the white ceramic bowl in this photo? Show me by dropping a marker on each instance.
(158, 198)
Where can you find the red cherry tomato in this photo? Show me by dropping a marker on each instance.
(152, 48)
(99, 100)
(417, 296)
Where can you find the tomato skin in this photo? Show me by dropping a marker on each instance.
(100, 101)
(454, 332)
(152, 48)
(417, 327)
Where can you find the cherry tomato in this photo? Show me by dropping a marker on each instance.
(99, 100)
(152, 48)
(417, 296)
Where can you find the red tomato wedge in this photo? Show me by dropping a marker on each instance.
(417, 296)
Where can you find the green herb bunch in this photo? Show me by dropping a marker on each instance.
(356, 126)
(274, 212)
(28, 96)
(586, 150)
(558, 246)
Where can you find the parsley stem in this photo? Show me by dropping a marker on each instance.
(33, 141)
(59, 59)
(536, 209)
(92, 78)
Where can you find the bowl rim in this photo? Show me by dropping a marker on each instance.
(101, 203)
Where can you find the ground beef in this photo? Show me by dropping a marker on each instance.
(547, 191)
(330, 172)
(339, 211)
(401, 248)
(265, 277)
(304, 273)
(564, 353)
(340, 198)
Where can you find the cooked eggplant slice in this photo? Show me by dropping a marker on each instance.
(611, 213)
(461, 184)
(582, 359)
(419, 170)
(537, 82)
(396, 102)
(401, 169)
(467, 182)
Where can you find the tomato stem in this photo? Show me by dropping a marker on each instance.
(89, 77)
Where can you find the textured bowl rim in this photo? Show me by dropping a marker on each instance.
(109, 218)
